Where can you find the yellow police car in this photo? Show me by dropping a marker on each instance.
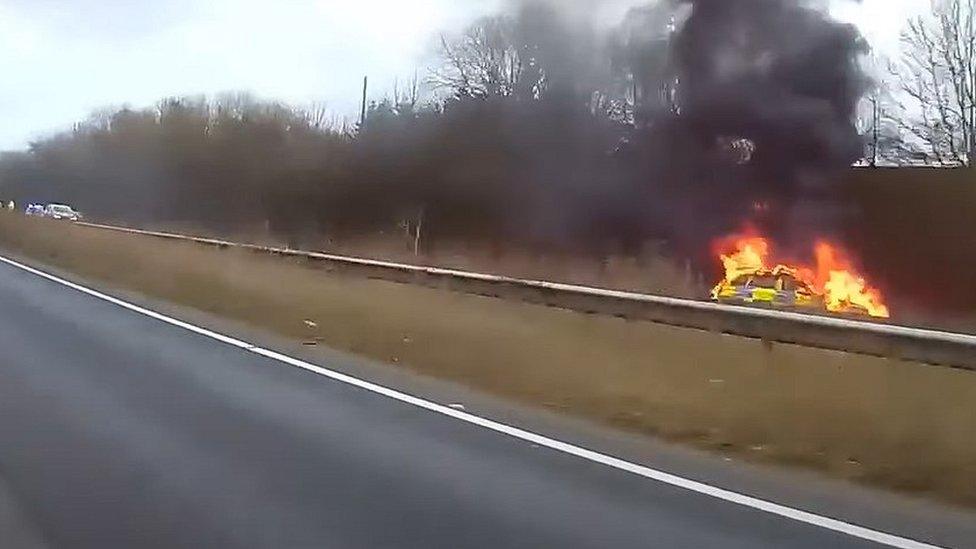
(776, 288)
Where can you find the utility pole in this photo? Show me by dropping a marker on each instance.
(876, 130)
(670, 90)
(362, 113)
(636, 102)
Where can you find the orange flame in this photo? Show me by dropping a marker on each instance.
(833, 277)
(843, 287)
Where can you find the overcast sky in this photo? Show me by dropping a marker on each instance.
(60, 59)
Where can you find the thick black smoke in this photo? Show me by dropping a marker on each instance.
(771, 87)
(556, 126)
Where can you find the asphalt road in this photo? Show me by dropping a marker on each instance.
(119, 430)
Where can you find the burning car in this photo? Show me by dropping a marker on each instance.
(779, 288)
(829, 284)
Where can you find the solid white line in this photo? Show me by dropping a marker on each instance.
(553, 444)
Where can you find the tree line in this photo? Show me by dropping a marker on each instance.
(541, 132)
(516, 143)
(922, 110)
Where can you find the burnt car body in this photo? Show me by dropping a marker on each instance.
(777, 288)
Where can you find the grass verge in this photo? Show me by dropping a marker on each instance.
(898, 424)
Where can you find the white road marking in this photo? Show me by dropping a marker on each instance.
(533, 438)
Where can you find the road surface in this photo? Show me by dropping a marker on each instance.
(122, 430)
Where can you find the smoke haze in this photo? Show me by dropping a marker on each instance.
(595, 127)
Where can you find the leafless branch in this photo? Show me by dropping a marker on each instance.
(937, 77)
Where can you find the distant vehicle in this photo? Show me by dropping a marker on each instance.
(61, 211)
(777, 288)
(35, 210)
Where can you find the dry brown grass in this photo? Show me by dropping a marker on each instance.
(892, 423)
(650, 272)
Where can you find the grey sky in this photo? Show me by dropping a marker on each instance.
(60, 59)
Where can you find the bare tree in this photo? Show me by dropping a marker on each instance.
(486, 60)
(937, 78)
(642, 56)
(406, 99)
(882, 121)
(317, 116)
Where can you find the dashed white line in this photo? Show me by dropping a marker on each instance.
(798, 515)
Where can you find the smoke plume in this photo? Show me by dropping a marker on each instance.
(593, 127)
(771, 87)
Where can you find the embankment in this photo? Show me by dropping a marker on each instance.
(893, 423)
